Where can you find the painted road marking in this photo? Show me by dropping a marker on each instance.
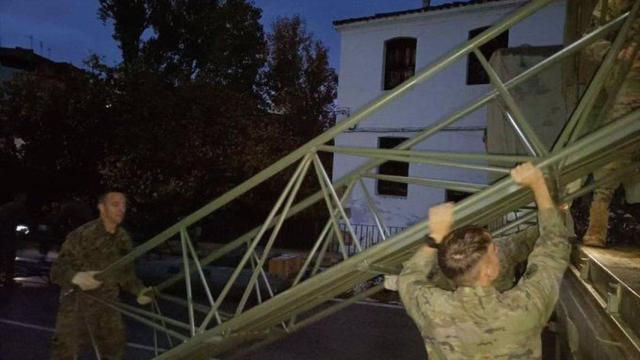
(51, 330)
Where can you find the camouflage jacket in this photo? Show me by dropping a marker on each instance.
(91, 247)
(605, 11)
(483, 323)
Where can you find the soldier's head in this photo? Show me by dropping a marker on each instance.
(112, 205)
(469, 257)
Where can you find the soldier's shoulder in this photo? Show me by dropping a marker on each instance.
(124, 232)
(85, 229)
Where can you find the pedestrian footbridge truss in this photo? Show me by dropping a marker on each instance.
(222, 326)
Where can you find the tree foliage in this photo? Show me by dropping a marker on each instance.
(299, 81)
(56, 129)
(202, 101)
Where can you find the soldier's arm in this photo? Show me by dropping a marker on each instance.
(547, 264)
(129, 281)
(67, 263)
(550, 257)
(416, 291)
(414, 287)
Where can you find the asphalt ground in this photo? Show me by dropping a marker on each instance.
(361, 331)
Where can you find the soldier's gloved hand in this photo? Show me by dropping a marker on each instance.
(86, 280)
(145, 296)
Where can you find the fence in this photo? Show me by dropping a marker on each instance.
(368, 235)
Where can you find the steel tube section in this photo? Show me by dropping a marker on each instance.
(265, 279)
(428, 72)
(155, 342)
(530, 216)
(384, 231)
(518, 121)
(197, 307)
(320, 259)
(438, 183)
(443, 184)
(438, 162)
(254, 260)
(364, 152)
(185, 262)
(157, 307)
(203, 278)
(139, 318)
(518, 130)
(533, 71)
(274, 234)
(323, 236)
(210, 258)
(257, 285)
(152, 315)
(495, 169)
(337, 201)
(254, 243)
(333, 213)
(573, 127)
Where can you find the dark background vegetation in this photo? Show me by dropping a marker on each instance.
(204, 98)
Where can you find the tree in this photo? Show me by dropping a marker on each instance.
(53, 127)
(299, 82)
(219, 42)
(193, 110)
(131, 20)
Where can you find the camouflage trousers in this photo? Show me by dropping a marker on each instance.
(83, 323)
(628, 100)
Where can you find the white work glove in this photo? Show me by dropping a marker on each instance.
(86, 280)
(145, 296)
(391, 282)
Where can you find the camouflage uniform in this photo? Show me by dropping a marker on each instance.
(91, 247)
(626, 100)
(483, 323)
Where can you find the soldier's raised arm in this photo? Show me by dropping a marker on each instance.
(550, 257)
(413, 285)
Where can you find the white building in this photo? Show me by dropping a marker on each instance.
(380, 51)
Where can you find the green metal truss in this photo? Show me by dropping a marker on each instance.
(223, 326)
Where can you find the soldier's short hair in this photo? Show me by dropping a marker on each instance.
(103, 195)
(461, 250)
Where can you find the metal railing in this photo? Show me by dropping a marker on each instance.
(367, 235)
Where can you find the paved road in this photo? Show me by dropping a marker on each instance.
(27, 317)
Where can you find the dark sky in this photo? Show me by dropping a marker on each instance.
(71, 29)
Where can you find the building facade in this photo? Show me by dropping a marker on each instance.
(379, 52)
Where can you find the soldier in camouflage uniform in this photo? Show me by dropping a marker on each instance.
(476, 321)
(82, 320)
(625, 101)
